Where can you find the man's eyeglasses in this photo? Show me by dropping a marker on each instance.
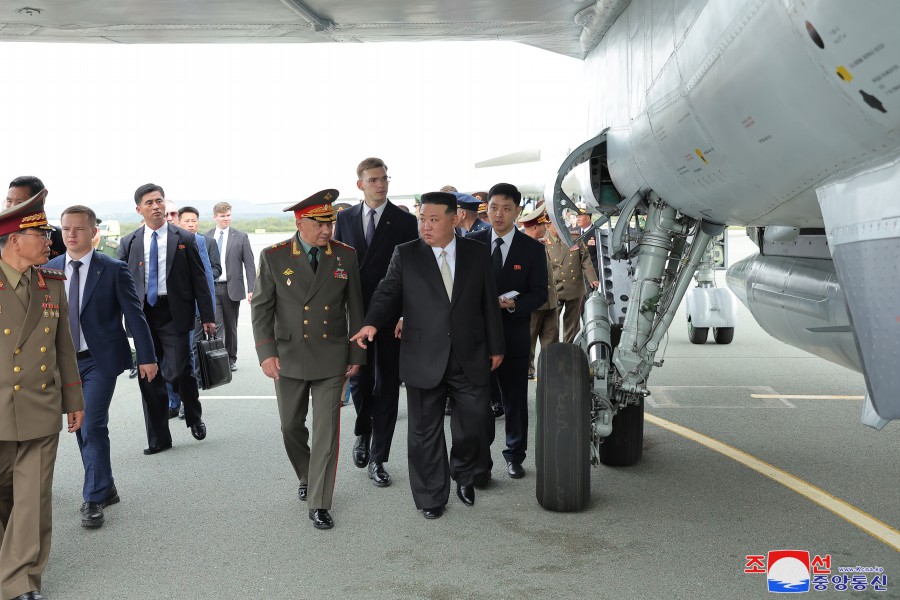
(42, 234)
(374, 180)
(173, 213)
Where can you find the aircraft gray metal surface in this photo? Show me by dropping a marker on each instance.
(781, 114)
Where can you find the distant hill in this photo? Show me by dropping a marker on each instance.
(124, 211)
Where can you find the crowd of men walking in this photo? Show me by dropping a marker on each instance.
(445, 302)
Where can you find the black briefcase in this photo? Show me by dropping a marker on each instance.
(215, 369)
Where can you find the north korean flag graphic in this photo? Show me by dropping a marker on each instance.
(788, 571)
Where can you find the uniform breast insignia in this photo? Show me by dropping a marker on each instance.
(340, 272)
(277, 246)
(289, 271)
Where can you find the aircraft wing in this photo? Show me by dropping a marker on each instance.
(547, 24)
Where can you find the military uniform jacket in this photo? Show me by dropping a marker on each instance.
(552, 298)
(40, 378)
(570, 268)
(306, 317)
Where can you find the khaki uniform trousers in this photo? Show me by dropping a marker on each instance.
(26, 512)
(317, 465)
(544, 327)
(571, 317)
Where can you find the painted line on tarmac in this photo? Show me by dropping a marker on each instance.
(237, 398)
(849, 513)
(805, 397)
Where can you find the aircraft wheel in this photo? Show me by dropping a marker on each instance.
(623, 447)
(723, 335)
(563, 435)
(697, 335)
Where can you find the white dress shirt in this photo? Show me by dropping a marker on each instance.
(451, 256)
(507, 241)
(82, 278)
(162, 236)
(222, 248)
(365, 215)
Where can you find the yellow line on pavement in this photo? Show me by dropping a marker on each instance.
(806, 397)
(851, 514)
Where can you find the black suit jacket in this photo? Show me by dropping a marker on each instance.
(524, 271)
(468, 324)
(395, 227)
(212, 249)
(186, 284)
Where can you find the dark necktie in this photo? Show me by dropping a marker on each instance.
(370, 228)
(314, 258)
(497, 256)
(75, 304)
(153, 277)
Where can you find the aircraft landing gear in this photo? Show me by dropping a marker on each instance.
(563, 436)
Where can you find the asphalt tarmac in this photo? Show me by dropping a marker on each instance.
(221, 518)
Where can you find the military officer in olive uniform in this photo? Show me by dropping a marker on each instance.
(306, 300)
(571, 267)
(39, 383)
(544, 320)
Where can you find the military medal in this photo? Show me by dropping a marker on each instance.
(340, 272)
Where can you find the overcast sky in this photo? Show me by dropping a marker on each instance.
(274, 123)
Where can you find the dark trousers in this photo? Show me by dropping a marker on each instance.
(376, 394)
(174, 355)
(226, 319)
(93, 437)
(470, 456)
(509, 386)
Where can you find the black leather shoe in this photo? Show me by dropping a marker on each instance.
(466, 493)
(515, 470)
(233, 367)
(199, 430)
(91, 515)
(181, 412)
(28, 596)
(157, 449)
(497, 409)
(321, 519)
(361, 451)
(173, 412)
(482, 480)
(37, 596)
(133, 373)
(301, 491)
(433, 513)
(112, 497)
(378, 475)
(531, 376)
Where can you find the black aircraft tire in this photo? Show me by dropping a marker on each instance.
(697, 335)
(563, 436)
(723, 335)
(623, 447)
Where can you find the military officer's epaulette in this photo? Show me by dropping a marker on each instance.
(343, 245)
(51, 273)
(277, 246)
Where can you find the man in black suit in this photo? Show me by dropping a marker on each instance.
(451, 338)
(374, 228)
(519, 264)
(235, 256)
(170, 281)
(25, 187)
